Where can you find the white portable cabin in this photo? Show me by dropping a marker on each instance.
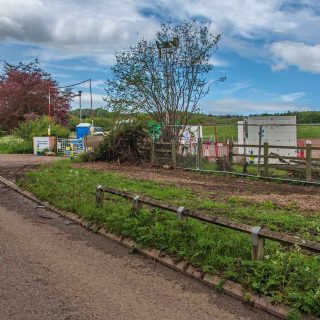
(276, 130)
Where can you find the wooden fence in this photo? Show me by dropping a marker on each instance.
(306, 164)
(258, 234)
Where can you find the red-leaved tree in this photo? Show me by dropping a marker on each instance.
(24, 93)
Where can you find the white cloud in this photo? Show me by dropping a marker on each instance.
(239, 106)
(236, 87)
(290, 97)
(305, 57)
(97, 100)
(95, 29)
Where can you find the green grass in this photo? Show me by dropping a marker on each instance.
(252, 169)
(308, 132)
(286, 276)
(223, 132)
(227, 132)
(12, 144)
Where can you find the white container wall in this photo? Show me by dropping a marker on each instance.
(276, 130)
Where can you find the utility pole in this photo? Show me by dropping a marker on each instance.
(80, 104)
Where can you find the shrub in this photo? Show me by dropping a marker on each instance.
(39, 128)
(126, 142)
(12, 144)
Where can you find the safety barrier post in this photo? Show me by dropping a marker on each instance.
(180, 215)
(257, 244)
(99, 195)
(136, 205)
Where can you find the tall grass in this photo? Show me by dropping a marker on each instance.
(13, 144)
(287, 276)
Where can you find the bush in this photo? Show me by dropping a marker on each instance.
(126, 142)
(12, 144)
(39, 128)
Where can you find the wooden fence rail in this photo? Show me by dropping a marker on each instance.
(258, 234)
(309, 160)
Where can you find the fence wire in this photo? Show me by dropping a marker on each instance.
(275, 150)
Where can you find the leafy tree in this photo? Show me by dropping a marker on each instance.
(24, 90)
(166, 77)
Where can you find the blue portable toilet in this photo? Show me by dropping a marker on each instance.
(83, 129)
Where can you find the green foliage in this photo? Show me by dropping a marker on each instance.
(13, 144)
(126, 142)
(286, 275)
(39, 128)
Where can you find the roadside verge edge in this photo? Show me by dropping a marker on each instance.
(228, 287)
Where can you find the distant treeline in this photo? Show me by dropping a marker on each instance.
(104, 118)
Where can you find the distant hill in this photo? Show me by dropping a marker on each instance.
(105, 118)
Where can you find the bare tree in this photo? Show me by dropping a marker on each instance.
(165, 77)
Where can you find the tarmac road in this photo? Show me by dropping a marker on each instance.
(53, 269)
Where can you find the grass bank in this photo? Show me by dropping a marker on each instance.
(13, 144)
(286, 276)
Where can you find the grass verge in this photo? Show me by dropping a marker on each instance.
(287, 276)
(12, 144)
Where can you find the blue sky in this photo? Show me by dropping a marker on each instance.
(269, 52)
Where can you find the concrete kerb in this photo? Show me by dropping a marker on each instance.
(228, 287)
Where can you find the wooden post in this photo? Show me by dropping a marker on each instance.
(136, 206)
(174, 153)
(199, 149)
(152, 152)
(230, 158)
(266, 159)
(257, 244)
(308, 162)
(99, 195)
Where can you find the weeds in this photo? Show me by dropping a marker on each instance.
(287, 276)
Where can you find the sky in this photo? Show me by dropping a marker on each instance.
(269, 52)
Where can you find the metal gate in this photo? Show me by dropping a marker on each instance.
(70, 147)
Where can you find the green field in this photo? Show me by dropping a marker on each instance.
(286, 275)
(228, 132)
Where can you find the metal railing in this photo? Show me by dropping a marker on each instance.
(257, 233)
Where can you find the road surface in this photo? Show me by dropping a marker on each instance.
(51, 268)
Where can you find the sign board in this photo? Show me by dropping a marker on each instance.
(191, 134)
(40, 144)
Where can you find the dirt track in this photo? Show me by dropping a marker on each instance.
(307, 199)
(51, 269)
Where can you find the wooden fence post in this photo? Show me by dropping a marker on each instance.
(308, 161)
(199, 149)
(174, 153)
(99, 195)
(152, 152)
(266, 159)
(230, 156)
(257, 244)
